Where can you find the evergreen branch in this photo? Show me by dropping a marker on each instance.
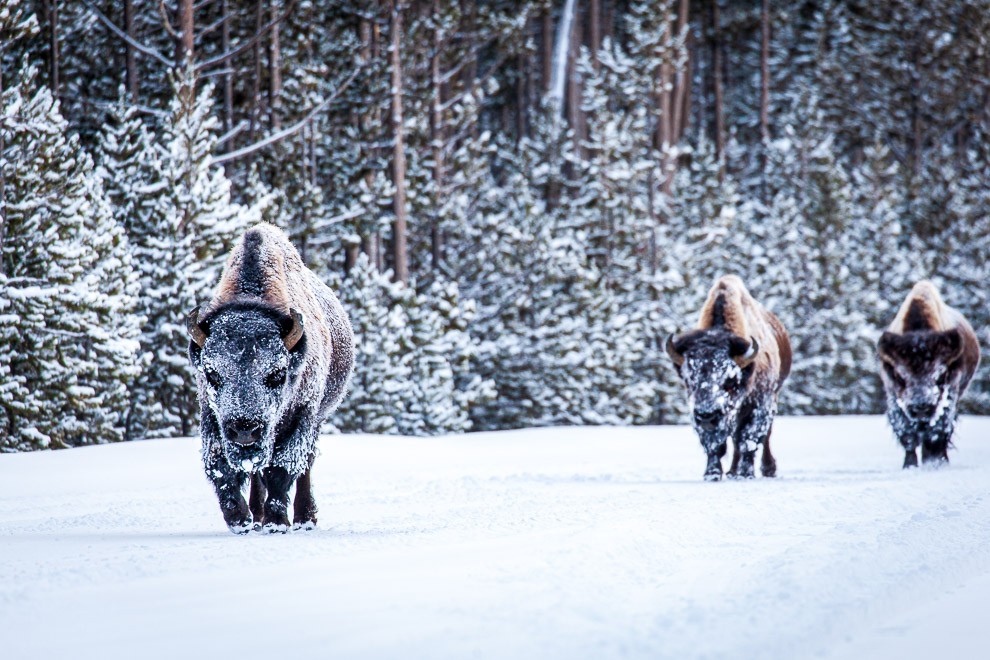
(223, 57)
(291, 130)
(141, 48)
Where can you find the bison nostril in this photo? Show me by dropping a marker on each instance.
(921, 410)
(706, 418)
(243, 432)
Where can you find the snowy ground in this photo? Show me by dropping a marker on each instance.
(551, 543)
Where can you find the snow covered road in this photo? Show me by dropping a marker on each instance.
(543, 543)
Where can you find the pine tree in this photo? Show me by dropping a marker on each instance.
(67, 333)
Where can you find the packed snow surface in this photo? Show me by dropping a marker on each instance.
(541, 543)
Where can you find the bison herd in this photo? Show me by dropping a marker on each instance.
(273, 351)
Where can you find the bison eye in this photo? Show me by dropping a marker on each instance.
(213, 378)
(275, 379)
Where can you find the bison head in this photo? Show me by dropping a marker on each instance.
(247, 357)
(716, 367)
(921, 371)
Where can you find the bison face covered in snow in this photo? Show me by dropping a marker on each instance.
(273, 352)
(733, 366)
(928, 355)
(251, 358)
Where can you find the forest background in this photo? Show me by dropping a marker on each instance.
(515, 199)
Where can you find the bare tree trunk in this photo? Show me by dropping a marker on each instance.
(595, 30)
(682, 81)
(259, 21)
(547, 31)
(187, 32)
(275, 70)
(130, 55)
(228, 77)
(717, 85)
(765, 72)
(575, 115)
(398, 149)
(3, 182)
(54, 57)
(437, 142)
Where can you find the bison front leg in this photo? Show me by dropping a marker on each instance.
(934, 448)
(256, 500)
(905, 432)
(713, 472)
(228, 482)
(304, 506)
(277, 482)
(755, 422)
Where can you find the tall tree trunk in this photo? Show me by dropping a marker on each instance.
(765, 94)
(187, 32)
(130, 54)
(228, 77)
(259, 22)
(368, 34)
(3, 180)
(575, 115)
(765, 72)
(54, 57)
(437, 141)
(275, 70)
(682, 80)
(547, 33)
(400, 255)
(717, 87)
(595, 30)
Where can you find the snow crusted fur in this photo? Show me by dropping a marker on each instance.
(928, 356)
(273, 351)
(733, 366)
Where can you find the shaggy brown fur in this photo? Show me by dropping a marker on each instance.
(730, 305)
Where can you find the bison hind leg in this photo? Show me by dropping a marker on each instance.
(256, 500)
(768, 464)
(304, 506)
(910, 458)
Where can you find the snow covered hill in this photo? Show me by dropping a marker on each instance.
(548, 543)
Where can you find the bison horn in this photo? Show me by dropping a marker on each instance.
(747, 358)
(672, 352)
(196, 332)
(295, 333)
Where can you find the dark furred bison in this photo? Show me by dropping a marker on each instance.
(928, 355)
(273, 352)
(733, 365)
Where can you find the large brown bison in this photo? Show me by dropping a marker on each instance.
(928, 356)
(733, 366)
(273, 352)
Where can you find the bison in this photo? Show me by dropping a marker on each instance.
(273, 352)
(928, 356)
(733, 366)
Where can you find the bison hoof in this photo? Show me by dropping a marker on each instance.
(305, 525)
(769, 471)
(272, 528)
(241, 528)
(713, 476)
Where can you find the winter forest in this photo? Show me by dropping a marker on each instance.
(515, 199)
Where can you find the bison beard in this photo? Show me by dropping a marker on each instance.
(273, 352)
